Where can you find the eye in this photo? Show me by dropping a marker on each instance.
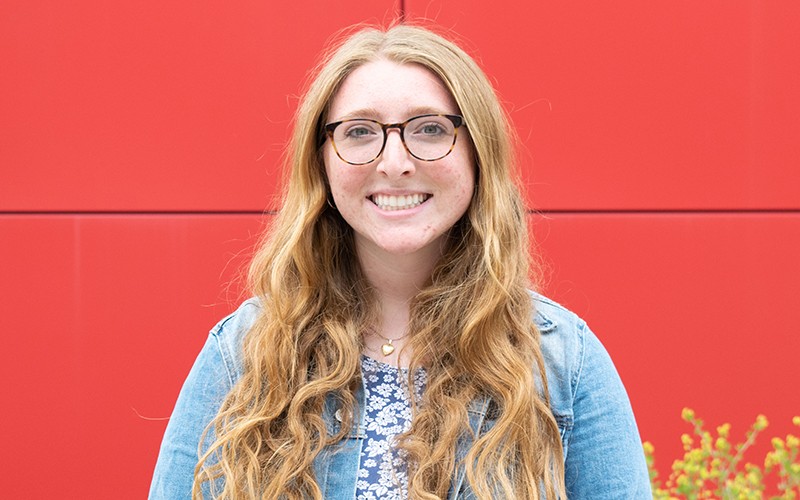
(360, 130)
(430, 127)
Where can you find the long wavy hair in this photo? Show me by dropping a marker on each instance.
(471, 326)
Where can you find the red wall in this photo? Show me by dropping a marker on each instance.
(139, 144)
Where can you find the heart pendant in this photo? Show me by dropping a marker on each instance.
(387, 349)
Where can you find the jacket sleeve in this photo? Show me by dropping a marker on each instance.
(198, 402)
(605, 458)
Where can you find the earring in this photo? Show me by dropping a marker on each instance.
(330, 202)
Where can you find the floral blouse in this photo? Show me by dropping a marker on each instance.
(383, 473)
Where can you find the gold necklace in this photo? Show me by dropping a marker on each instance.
(387, 347)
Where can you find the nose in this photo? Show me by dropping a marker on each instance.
(395, 161)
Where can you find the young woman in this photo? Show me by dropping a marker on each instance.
(393, 348)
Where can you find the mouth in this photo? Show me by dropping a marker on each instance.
(400, 202)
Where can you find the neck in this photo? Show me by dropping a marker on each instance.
(396, 280)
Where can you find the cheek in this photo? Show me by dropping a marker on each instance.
(460, 175)
(327, 162)
(345, 183)
(333, 170)
(466, 188)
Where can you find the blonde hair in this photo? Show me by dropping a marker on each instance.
(471, 327)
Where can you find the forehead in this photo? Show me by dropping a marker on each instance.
(388, 91)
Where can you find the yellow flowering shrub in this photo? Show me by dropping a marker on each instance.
(712, 467)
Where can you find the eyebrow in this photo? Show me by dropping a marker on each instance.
(374, 114)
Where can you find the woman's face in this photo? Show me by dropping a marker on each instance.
(398, 204)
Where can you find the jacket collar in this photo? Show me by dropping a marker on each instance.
(543, 322)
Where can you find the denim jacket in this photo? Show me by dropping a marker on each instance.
(602, 451)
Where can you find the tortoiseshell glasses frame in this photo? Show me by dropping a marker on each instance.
(357, 142)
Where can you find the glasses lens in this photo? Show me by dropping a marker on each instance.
(358, 141)
(430, 137)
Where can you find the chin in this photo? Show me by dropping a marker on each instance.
(410, 248)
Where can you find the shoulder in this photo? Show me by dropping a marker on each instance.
(553, 318)
(562, 333)
(216, 369)
(230, 332)
(602, 448)
(567, 346)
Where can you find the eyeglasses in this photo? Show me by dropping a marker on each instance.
(425, 137)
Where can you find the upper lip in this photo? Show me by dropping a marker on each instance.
(398, 192)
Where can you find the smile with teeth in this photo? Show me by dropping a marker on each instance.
(402, 202)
